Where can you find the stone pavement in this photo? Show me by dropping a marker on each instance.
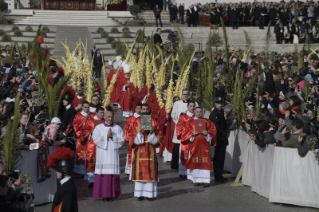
(176, 194)
(73, 35)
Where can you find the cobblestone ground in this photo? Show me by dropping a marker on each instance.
(176, 194)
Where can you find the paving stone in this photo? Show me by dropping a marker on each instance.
(176, 194)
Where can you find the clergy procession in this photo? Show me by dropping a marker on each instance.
(162, 123)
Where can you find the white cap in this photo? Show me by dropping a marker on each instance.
(110, 62)
(115, 65)
(8, 100)
(127, 69)
(118, 58)
(56, 120)
(123, 64)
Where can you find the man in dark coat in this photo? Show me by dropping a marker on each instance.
(195, 15)
(175, 13)
(157, 37)
(189, 15)
(181, 11)
(97, 64)
(234, 18)
(68, 116)
(65, 198)
(157, 12)
(218, 118)
(262, 17)
(171, 13)
(277, 31)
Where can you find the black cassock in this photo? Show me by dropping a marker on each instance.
(66, 195)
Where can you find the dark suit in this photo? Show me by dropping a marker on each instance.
(181, 13)
(217, 117)
(97, 65)
(190, 17)
(157, 13)
(158, 39)
(195, 16)
(262, 17)
(68, 117)
(234, 18)
(66, 194)
(93, 53)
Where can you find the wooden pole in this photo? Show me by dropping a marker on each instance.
(240, 173)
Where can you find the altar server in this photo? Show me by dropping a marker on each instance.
(198, 163)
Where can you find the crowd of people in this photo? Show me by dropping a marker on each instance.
(282, 110)
(290, 19)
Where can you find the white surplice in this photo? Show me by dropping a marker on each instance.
(107, 149)
(145, 189)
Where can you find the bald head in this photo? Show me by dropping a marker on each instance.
(109, 116)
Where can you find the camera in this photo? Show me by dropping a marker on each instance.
(26, 197)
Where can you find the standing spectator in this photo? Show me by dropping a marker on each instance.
(234, 17)
(181, 13)
(157, 12)
(262, 17)
(166, 4)
(158, 38)
(189, 16)
(171, 13)
(195, 16)
(217, 116)
(175, 13)
(93, 51)
(97, 64)
(277, 31)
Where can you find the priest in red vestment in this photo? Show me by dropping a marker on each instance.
(168, 129)
(199, 163)
(115, 93)
(91, 148)
(130, 134)
(78, 99)
(79, 122)
(180, 127)
(129, 96)
(145, 167)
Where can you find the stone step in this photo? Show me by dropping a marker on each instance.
(76, 18)
(49, 45)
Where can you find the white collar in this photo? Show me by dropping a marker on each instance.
(197, 118)
(64, 180)
(84, 113)
(79, 97)
(136, 115)
(68, 106)
(189, 113)
(96, 118)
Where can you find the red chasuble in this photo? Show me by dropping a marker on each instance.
(168, 130)
(130, 134)
(199, 148)
(129, 98)
(115, 93)
(180, 127)
(76, 101)
(91, 148)
(145, 167)
(144, 91)
(81, 136)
